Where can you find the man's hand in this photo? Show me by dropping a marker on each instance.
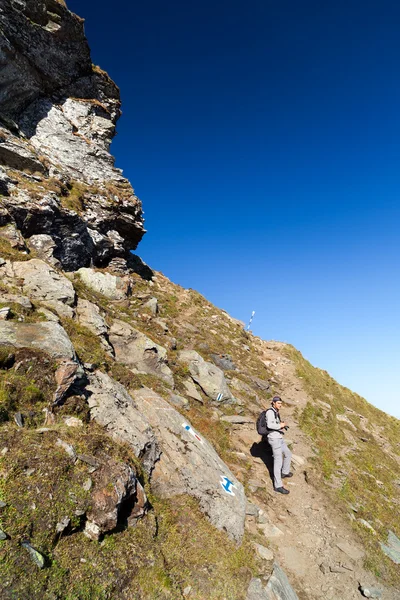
(283, 425)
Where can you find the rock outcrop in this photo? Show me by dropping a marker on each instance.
(58, 116)
(112, 407)
(139, 352)
(189, 465)
(208, 376)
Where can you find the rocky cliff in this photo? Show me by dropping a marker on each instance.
(129, 462)
(61, 191)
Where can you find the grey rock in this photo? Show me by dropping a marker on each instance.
(16, 155)
(209, 377)
(278, 586)
(260, 384)
(237, 419)
(189, 465)
(35, 555)
(192, 391)
(136, 350)
(263, 552)
(11, 234)
(40, 281)
(89, 316)
(263, 519)
(256, 590)
(3, 504)
(370, 592)
(252, 510)
(67, 448)
(87, 484)
(112, 407)
(3, 535)
(17, 299)
(48, 337)
(152, 305)
(111, 286)
(50, 316)
(179, 401)
(392, 548)
(223, 361)
(19, 419)
(63, 525)
(44, 246)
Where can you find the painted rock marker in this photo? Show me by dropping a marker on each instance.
(227, 485)
(192, 432)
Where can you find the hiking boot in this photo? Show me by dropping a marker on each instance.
(282, 490)
(287, 475)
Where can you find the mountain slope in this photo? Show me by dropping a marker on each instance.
(129, 462)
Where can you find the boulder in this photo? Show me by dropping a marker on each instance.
(112, 407)
(89, 316)
(44, 246)
(41, 282)
(115, 487)
(192, 391)
(152, 306)
(208, 376)
(190, 465)
(256, 590)
(49, 337)
(278, 586)
(136, 350)
(11, 234)
(260, 384)
(392, 548)
(66, 375)
(111, 286)
(223, 361)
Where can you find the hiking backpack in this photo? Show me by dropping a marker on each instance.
(262, 423)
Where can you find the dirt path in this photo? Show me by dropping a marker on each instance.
(311, 540)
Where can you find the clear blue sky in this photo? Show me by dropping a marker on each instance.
(264, 141)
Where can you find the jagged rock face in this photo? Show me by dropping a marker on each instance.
(58, 116)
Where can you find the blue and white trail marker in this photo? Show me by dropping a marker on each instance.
(227, 485)
(220, 396)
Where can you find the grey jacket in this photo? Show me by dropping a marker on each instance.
(273, 422)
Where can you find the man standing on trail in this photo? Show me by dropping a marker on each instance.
(281, 453)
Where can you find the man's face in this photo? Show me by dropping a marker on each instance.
(278, 404)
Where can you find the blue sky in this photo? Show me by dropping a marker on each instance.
(264, 141)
